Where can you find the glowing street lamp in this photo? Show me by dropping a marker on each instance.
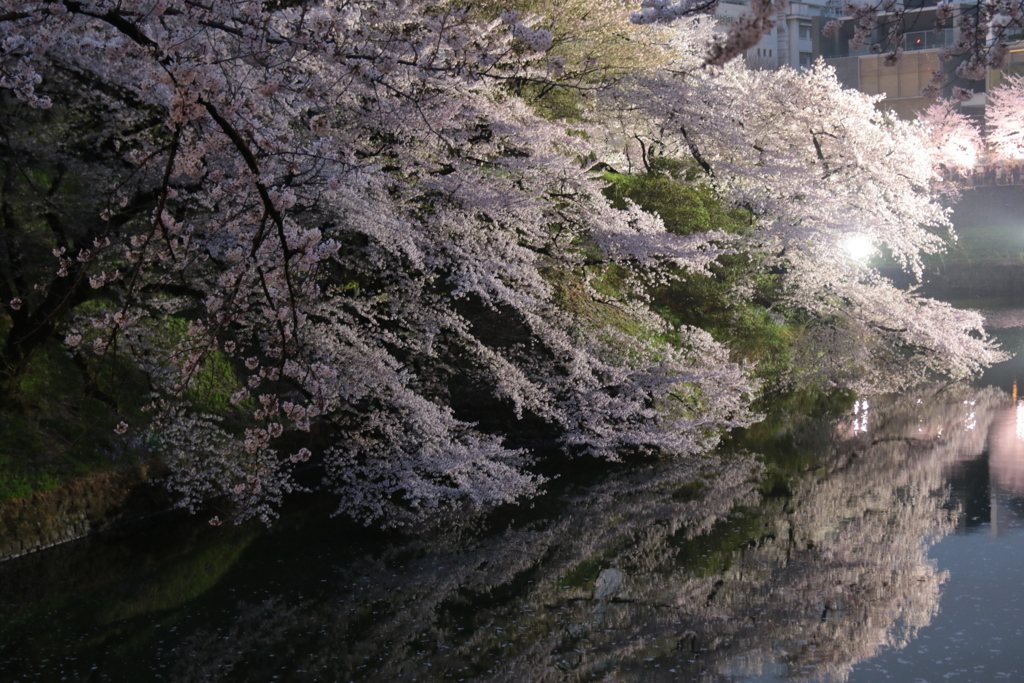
(858, 247)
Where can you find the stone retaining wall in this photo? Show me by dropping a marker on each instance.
(94, 503)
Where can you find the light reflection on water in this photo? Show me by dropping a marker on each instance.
(896, 549)
(976, 633)
(1006, 450)
(861, 409)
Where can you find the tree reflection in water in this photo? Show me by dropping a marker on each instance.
(649, 577)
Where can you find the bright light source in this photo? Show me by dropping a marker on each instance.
(858, 246)
(961, 152)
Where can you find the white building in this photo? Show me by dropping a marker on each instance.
(797, 41)
(792, 42)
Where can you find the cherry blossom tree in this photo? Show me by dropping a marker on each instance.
(956, 141)
(745, 33)
(1004, 119)
(341, 204)
(333, 232)
(822, 169)
(952, 137)
(647, 575)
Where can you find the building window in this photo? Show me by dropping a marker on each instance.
(805, 31)
(806, 58)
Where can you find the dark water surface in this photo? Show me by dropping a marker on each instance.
(887, 544)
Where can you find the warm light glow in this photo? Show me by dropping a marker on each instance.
(961, 152)
(858, 246)
(1006, 449)
(860, 419)
(1020, 420)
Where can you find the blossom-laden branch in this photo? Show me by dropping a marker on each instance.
(745, 33)
(338, 198)
(820, 166)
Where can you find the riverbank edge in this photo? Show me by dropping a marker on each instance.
(102, 501)
(92, 504)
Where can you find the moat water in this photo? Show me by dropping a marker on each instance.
(883, 544)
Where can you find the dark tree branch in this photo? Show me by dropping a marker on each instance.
(695, 153)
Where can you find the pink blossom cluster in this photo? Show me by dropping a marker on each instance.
(1004, 119)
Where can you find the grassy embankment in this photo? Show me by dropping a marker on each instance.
(58, 421)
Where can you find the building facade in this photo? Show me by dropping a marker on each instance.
(794, 39)
(797, 41)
